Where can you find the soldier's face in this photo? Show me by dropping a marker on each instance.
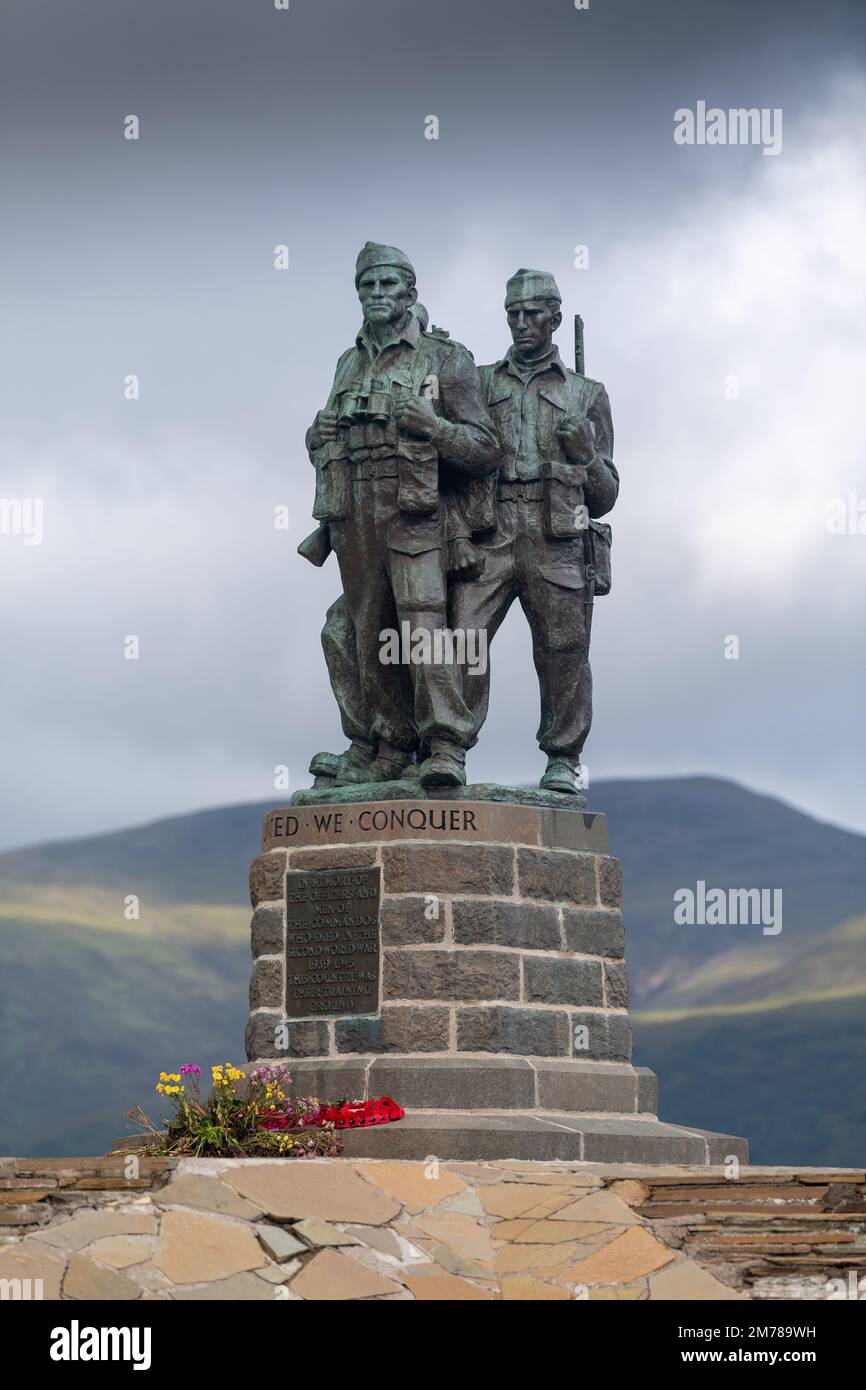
(532, 325)
(385, 294)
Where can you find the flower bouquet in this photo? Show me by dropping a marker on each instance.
(243, 1116)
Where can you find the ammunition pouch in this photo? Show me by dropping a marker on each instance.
(563, 514)
(478, 503)
(418, 486)
(598, 542)
(331, 461)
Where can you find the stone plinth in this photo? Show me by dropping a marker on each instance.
(502, 1018)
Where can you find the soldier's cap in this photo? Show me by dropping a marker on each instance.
(373, 253)
(530, 284)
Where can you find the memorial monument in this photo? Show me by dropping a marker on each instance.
(458, 947)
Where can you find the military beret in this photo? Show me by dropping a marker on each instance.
(373, 253)
(530, 284)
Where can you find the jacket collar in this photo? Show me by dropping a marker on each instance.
(410, 334)
(552, 363)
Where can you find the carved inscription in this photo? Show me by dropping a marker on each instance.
(332, 942)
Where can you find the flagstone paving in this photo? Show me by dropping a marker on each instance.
(315, 1232)
(278, 1242)
(627, 1257)
(85, 1279)
(340, 1229)
(194, 1247)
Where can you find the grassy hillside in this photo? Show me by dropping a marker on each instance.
(670, 834)
(203, 857)
(791, 1078)
(755, 1035)
(827, 965)
(94, 1006)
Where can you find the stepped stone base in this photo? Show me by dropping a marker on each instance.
(540, 1137)
(483, 1083)
(512, 1107)
(495, 1003)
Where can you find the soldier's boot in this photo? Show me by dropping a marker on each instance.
(562, 775)
(358, 755)
(413, 771)
(387, 766)
(445, 767)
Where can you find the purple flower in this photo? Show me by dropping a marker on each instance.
(190, 1069)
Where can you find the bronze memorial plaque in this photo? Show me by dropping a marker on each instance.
(332, 942)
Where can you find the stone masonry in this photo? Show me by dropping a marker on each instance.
(503, 988)
(85, 1229)
(487, 948)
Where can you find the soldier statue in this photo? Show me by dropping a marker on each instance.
(446, 495)
(404, 428)
(555, 477)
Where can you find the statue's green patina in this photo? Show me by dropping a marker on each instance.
(446, 494)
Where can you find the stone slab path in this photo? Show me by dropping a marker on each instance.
(333, 1229)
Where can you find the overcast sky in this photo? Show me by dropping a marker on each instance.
(156, 258)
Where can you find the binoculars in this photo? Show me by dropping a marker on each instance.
(376, 407)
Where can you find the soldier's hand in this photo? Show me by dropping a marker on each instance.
(326, 424)
(417, 416)
(464, 561)
(578, 440)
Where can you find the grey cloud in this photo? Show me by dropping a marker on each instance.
(157, 260)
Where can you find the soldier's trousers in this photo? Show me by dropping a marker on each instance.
(547, 577)
(341, 659)
(393, 572)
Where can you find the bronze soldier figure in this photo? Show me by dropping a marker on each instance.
(556, 475)
(404, 426)
(340, 650)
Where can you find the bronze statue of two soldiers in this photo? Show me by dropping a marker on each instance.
(447, 492)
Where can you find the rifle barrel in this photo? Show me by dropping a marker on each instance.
(579, 361)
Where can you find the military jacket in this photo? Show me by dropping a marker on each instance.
(368, 386)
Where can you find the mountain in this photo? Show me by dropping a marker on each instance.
(202, 857)
(751, 1033)
(92, 1013)
(792, 1078)
(674, 833)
